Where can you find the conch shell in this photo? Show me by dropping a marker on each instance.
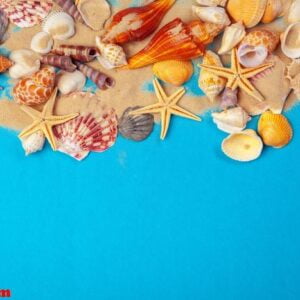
(215, 15)
(290, 41)
(273, 10)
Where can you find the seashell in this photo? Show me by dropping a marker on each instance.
(80, 53)
(293, 15)
(70, 8)
(42, 43)
(232, 120)
(274, 129)
(63, 62)
(176, 72)
(33, 143)
(101, 80)
(5, 63)
(135, 127)
(95, 129)
(136, 23)
(232, 37)
(250, 12)
(35, 89)
(273, 10)
(59, 25)
(229, 98)
(26, 63)
(3, 25)
(215, 15)
(244, 146)
(94, 12)
(252, 56)
(212, 2)
(290, 41)
(211, 84)
(69, 82)
(112, 55)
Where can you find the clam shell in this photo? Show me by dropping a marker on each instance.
(136, 128)
(33, 143)
(293, 15)
(42, 42)
(275, 129)
(290, 41)
(69, 82)
(273, 10)
(252, 56)
(212, 2)
(59, 25)
(215, 15)
(5, 63)
(176, 72)
(244, 146)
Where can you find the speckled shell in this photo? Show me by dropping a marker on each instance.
(136, 128)
(69, 82)
(5, 63)
(273, 10)
(290, 41)
(42, 42)
(33, 143)
(274, 129)
(215, 15)
(176, 72)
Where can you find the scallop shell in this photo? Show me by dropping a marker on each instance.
(211, 84)
(290, 41)
(176, 72)
(69, 82)
(59, 25)
(293, 15)
(42, 43)
(229, 98)
(26, 63)
(250, 12)
(5, 63)
(252, 56)
(244, 146)
(275, 129)
(136, 128)
(33, 143)
(3, 25)
(215, 15)
(273, 10)
(232, 37)
(212, 2)
(232, 120)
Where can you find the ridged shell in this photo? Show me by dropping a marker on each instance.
(215, 15)
(273, 10)
(275, 130)
(212, 2)
(176, 72)
(244, 146)
(3, 25)
(252, 56)
(211, 84)
(290, 41)
(250, 12)
(42, 42)
(35, 89)
(5, 63)
(33, 143)
(69, 82)
(232, 36)
(293, 15)
(59, 25)
(62, 62)
(26, 63)
(136, 128)
(229, 98)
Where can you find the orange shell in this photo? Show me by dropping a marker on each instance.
(5, 63)
(36, 89)
(273, 10)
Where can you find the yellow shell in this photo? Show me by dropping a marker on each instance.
(273, 10)
(176, 72)
(250, 12)
(275, 129)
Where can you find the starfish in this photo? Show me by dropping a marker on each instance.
(45, 120)
(166, 106)
(238, 76)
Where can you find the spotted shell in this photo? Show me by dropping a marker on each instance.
(5, 63)
(33, 143)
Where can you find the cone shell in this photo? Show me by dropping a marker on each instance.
(33, 143)
(290, 41)
(244, 146)
(211, 84)
(273, 10)
(176, 72)
(69, 82)
(275, 129)
(215, 15)
(42, 42)
(250, 12)
(293, 15)
(5, 63)
(212, 3)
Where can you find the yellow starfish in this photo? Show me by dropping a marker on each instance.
(237, 76)
(166, 106)
(45, 120)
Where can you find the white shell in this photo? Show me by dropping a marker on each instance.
(59, 25)
(26, 63)
(294, 12)
(252, 56)
(215, 15)
(68, 82)
(33, 143)
(232, 120)
(290, 41)
(232, 36)
(212, 2)
(42, 42)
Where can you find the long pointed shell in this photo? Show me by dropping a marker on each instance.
(5, 63)
(70, 8)
(42, 42)
(273, 10)
(290, 41)
(293, 15)
(80, 53)
(62, 62)
(215, 15)
(69, 82)
(33, 143)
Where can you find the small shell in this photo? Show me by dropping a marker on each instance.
(3, 25)
(33, 143)
(252, 56)
(59, 25)
(42, 43)
(293, 15)
(232, 120)
(176, 72)
(112, 55)
(215, 15)
(62, 62)
(80, 53)
(26, 63)
(275, 129)
(5, 63)
(69, 7)
(290, 41)
(231, 37)
(273, 10)
(229, 98)
(243, 146)
(68, 82)
(136, 128)
(211, 84)
(212, 3)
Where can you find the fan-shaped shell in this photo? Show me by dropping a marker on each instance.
(5, 63)
(42, 42)
(215, 15)
(33, 143)
(290, 41)
(69, 82)
(273, 10)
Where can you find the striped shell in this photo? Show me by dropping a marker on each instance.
(70, 8)
(5, 63)
(62, 62)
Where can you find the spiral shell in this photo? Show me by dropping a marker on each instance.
(215, 15)
(33, 143)
(62, 62)
(42, 42)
